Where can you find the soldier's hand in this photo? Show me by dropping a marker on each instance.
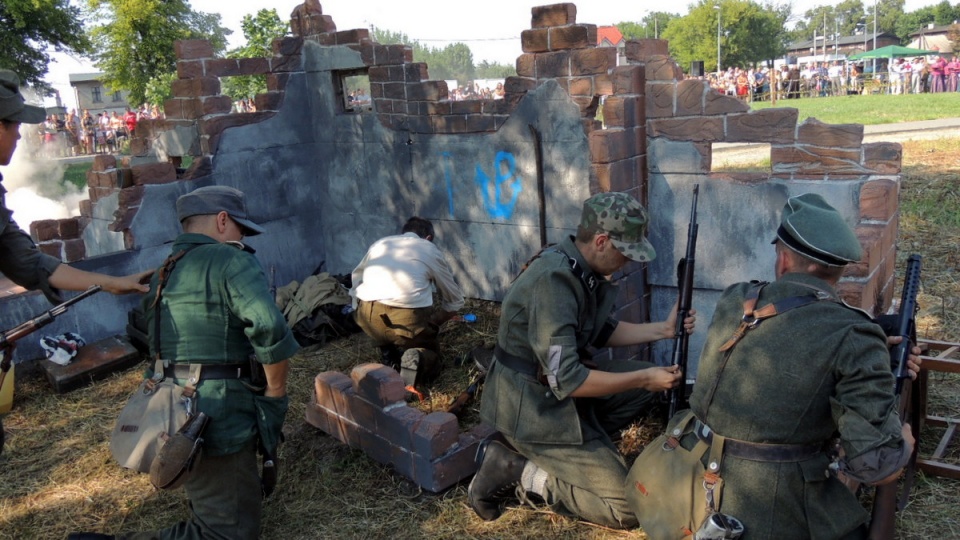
(689, 323)
(913, 359)
(662, 378)
(134, 283)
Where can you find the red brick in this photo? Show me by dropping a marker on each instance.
(216, 124)
(878, 200)
(617, 176)
(129, 240)
(330, 388)
(86, 208)
(44, 230)
(518, 85)
(93, 178)
(776, 126)
(354, 36)
(287, 45)
(478, 123)
(97, 193)
(883, 157)
(813, 160)
(553, 64)
(663, 68)
(690, 94)
(624, 112)
(397, 424)
(277, 81)
(871, 240)
(592, 61)
(427, 91)
(68, 228)
(688, 129)
(131, 196)
(74, 250)
(378, 384)
(54, 249)
(574, 36)
(253, 66)
(415, 72)
(716, 103)
(288, 63)
(102, 162)
(603, 84)
(553, 15)
(126, 178)
(215, 105)
(535, 41)
(203, 86)
(222, 67)
(613, 144)
(154, 173)
(109, 178)
(190, 69)
(268, 101)
(580, 86)
(317, 416)
(815, 132)
(435, 434)
(659, 100)
(470, 106)
(527, 65)
(588, 105)
(628, 80)
(192, 49)
(641, 50)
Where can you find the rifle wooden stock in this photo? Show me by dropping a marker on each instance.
(677, 397)
(886, 500)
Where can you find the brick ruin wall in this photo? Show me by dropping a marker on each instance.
(326, 184)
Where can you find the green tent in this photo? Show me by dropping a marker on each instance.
(890, 51)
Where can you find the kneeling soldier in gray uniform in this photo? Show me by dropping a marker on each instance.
(545, 397)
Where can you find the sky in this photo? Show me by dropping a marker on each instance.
(492, 31)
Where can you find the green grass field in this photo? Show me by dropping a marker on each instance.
(873, 109)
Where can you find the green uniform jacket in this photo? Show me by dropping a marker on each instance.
(216, 309)
(20, 260)
(796, 379)
(547, 315)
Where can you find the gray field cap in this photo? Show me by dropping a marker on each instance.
(216, 199)
(623, 219)
(814, 229)
(13, 107)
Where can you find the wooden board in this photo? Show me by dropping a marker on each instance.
(93, 362)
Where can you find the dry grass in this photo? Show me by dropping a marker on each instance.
(56, 474)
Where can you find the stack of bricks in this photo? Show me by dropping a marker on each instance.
(59, 238)
(367, 411)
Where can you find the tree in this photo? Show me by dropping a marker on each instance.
(651, 26)
(260, 30)
(750, 33)
(133, 40)
(494, 70)
(29, 29)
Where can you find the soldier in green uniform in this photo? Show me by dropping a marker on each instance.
(216, 309)
(777, 406)
(557, 412)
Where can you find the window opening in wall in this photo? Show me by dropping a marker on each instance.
(116, 97)
(353, 91)
(740, 158)
(95, 94)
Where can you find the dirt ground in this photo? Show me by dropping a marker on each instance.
(57, 476)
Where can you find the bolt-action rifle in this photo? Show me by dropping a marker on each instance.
(10, 337)
(887, 501)
(677, 397)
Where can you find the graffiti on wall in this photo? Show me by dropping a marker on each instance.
(499, 194)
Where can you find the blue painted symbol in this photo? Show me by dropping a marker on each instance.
(493, 204)
(449, 176)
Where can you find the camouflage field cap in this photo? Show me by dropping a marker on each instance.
(624, 219)
(814, 229)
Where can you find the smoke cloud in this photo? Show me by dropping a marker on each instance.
(33, 181)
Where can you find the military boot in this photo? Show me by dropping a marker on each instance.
(496, 480)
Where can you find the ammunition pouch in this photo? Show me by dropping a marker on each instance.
(179, 455)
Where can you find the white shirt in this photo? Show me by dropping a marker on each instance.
(402, 271)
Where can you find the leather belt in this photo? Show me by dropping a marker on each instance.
(516, 363)
(750, 451)
(208, 372)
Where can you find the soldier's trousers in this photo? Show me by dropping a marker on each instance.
(225, 501)
(587, 480)
(401, 329)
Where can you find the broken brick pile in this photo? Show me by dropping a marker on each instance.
(59, 238)
(367, 411)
